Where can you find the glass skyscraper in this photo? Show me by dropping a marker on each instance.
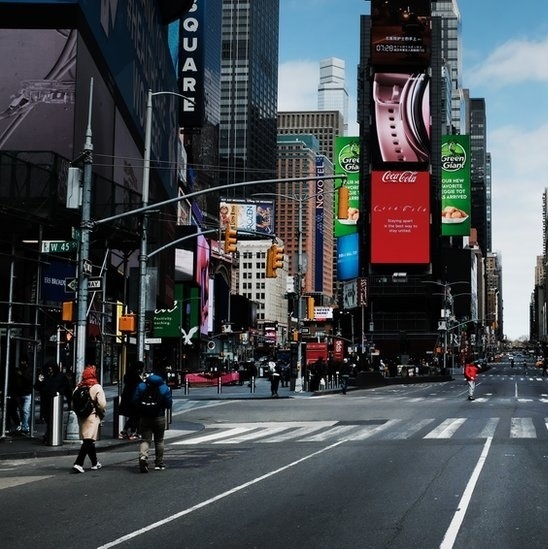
(249, 93)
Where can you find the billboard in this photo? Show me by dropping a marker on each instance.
(347, 162)
(400, 217)
(401, 118)
(320, 229)
(348, 257)
(401, 33)
(247, 215)
(455, 185)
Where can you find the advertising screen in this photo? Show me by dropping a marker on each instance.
(400, 217)
(401, 33)
(348, 257)
(202, 278)
(347, 162)
(401, 118)
(455, 185)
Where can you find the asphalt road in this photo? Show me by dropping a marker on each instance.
(408, 466)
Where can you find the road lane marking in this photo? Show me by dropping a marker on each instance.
(447, 428)
(458, 517)
(218, 497)
(522, 427)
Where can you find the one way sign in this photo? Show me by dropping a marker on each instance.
(94, 284)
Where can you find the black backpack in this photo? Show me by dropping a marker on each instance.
(149, 401)
(81, 402)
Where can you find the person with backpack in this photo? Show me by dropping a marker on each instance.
(132, 378)
(90, 405)
(151, 400)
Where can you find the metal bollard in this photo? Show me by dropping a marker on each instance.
(118, 420)
(187, 386)
(169, 417)
(252, 384)
(55, 430)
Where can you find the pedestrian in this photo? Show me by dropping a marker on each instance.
(53, 383)
(275, 375)
(471, 370)
(89, 426)
(151, 399)
(345, 375)
(132, 378)
(21, 392)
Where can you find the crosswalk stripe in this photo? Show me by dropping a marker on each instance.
(382, 430)
(522, 427)
(447, 428)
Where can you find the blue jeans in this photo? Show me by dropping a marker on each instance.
(149, 427)
(23, 404)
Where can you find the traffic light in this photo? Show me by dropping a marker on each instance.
(310, 308)
(343, 197)
(231, 239)
(274, 260)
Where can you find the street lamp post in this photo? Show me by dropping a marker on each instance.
(143, 250)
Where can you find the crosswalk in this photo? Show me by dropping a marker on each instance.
(377, 429)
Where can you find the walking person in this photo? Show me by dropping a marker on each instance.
(89, 426)
(471, 370)
(132, 378)
(21, 383)
(151, 399)
(275, 375)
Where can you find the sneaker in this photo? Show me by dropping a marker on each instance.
(471, 398)
(160, 467)
(96, 467)
(78, 468)
(122, 435)
(143, 466)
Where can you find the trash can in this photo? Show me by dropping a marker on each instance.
(55, 431)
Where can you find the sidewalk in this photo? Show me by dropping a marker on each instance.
(25, 447)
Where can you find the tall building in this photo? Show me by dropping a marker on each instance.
(451, 25)
(332, 92)
(249, 93)
(324, 125)
(308, 206)
(480, 179)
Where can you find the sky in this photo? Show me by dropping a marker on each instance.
(505, 53)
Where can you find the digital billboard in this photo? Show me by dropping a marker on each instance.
(347, 162)
(400, 217)
(455, 185)
(401, 33)
(247, 215)
(348, 257)
(401, 118)
(320, 228)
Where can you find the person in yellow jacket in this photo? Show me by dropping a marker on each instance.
(89, 426)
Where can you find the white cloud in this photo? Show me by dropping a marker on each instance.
(513, 62)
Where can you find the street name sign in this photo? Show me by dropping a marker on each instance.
(59, 246)
(94, 284)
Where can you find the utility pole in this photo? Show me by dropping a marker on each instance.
(84, 266)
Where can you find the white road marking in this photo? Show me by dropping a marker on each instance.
(447, 428)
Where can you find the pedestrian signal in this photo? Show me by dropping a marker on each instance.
(231, 239)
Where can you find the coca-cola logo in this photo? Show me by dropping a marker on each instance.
(400, 208)
(399, 177)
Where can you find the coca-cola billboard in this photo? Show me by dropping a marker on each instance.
(400, 217)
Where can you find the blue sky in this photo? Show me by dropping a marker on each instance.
(505, 52)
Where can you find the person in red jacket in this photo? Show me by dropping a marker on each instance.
(471, 370)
